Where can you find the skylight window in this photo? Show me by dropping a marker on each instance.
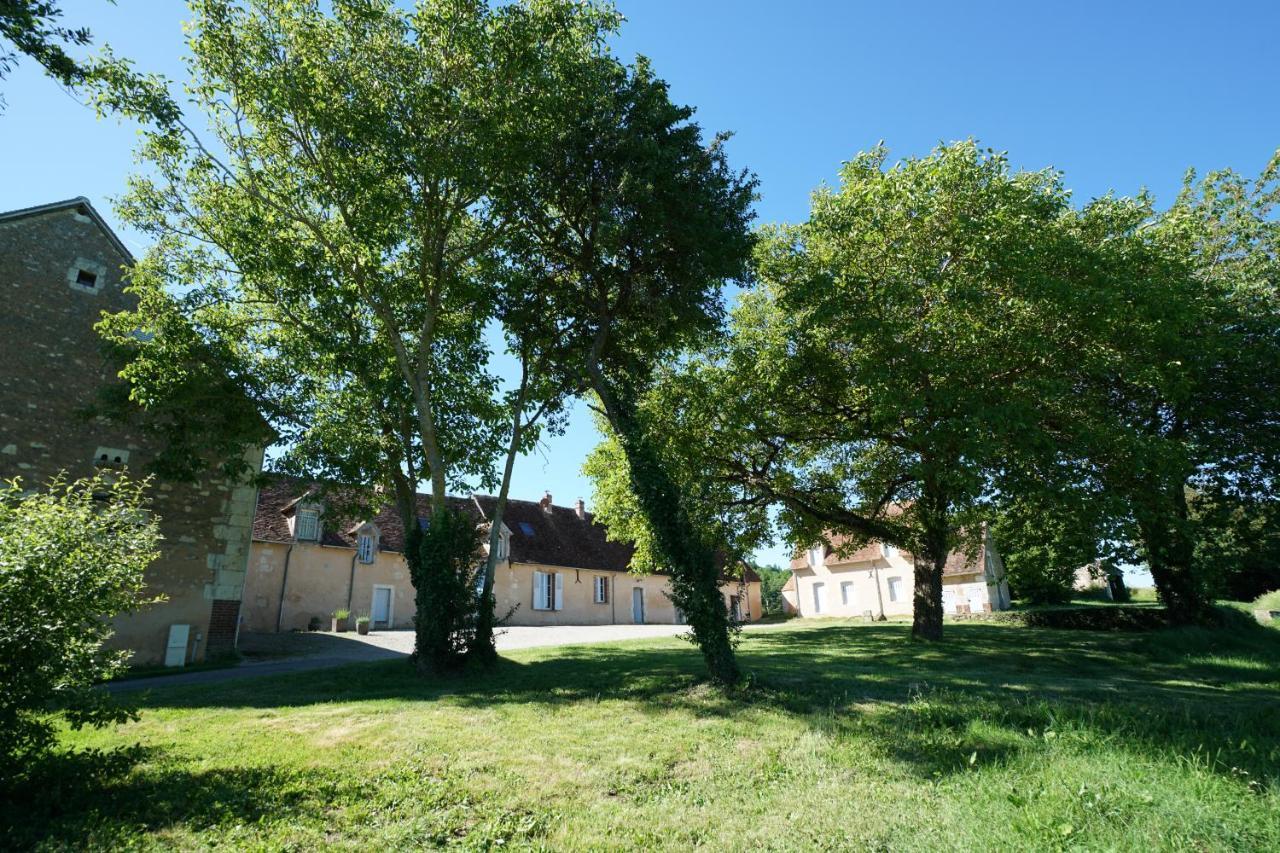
(526, 528)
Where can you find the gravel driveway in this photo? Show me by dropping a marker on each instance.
(520, 637)
(271, 654)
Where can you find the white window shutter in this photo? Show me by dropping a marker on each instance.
(539, 591)
(559, 592)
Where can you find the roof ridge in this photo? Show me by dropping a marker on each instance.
(78, 201)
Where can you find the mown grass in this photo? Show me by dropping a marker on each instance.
(1268, 601)
(848, 736)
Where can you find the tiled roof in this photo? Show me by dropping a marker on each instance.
(553, 538)
(958, 562)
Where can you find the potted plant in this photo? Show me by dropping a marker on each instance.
(362, 624)
(340, 618)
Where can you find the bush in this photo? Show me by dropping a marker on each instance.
(71, 557)
(1090, 618)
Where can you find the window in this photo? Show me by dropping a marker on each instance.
(819, 597)
(86, 275)
(504, 545)
(548, 591)
(817, 554)
(364, 547)
(307, 525)
(526, 528)
(602, 590)
(735, 608)
(889, 550)
(846, 593)
(895, 589)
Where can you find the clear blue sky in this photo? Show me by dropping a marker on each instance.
(1117, 95)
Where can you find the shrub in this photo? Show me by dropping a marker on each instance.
(71, 557)
(1090, 618)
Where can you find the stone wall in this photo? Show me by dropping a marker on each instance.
(59, 271)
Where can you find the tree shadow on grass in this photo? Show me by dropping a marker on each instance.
(116, 799)
(986, 693)
(101, 799)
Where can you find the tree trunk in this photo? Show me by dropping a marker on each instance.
(695, 580)
(1170, 546)
(483, 647)
(926, 617)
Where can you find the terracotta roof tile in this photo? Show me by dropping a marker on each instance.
(554, 538)
(958, 562)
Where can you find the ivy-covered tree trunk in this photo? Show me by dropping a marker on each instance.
(695, 579)
(441, 562)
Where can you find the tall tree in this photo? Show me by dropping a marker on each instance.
(892, 356)
(639, 222)
(339, 238)
(1179, 383)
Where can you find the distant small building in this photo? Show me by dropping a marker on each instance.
(556, 567)
(790, 599)
(877, 579)
(61, 268)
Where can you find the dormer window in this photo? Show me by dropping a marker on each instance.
(504, 545)
(364, 547)
(817, 554)
(889, 550)
(306, 525)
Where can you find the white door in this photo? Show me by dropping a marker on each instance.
(819, 598)
(977, 597)
(381, 616)
(949, 599)
(637, 605)
(175, 651)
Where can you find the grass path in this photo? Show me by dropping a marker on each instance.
(849, 736)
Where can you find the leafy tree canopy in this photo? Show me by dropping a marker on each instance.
(892, 354)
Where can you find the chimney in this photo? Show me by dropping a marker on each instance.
(545, 503)
(581, 509)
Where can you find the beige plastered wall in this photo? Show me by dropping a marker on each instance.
(318, 578)
(972, 589)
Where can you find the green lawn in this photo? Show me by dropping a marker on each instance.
(849, 736)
